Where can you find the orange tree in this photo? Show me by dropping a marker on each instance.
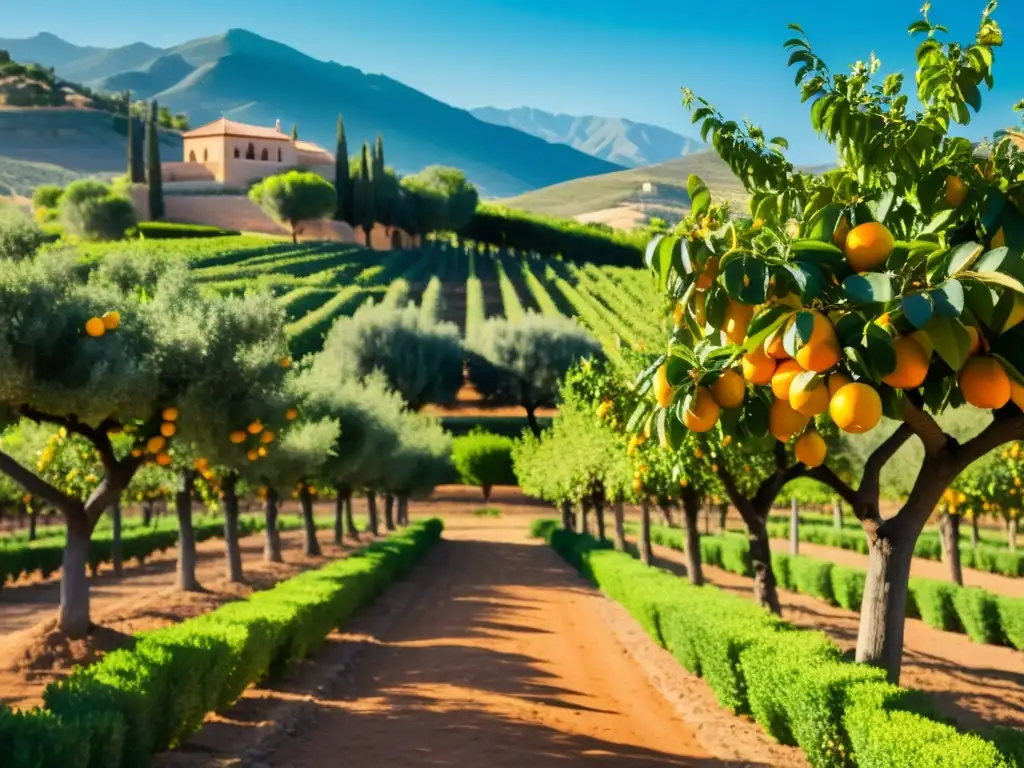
(889, 285)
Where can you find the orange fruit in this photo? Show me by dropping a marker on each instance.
(985, 383)
(163, 459)
(707, 277)
(911, 364)
(167, 429)
(821, 352)
(699, 310)
(252, 454)
(868, 246)
(94, 327)
(758, 367)
(291, 414)
(262, 451)
(729, 389)
(809, 401)
(255, 428)
(975, 340)
(136, 452)
(111, 320)
(703, 412)
(634, 442)
(783, 378)
(773, 346)
(267, 437)
(170, 414)
(737, 318)
(837, 381)
(677, 314)
(783, 421)
(602, 411)
(842, 231)
(238, 437)
(156, 444)
(810, 449)
(662, 389)
(956, 192)
(286, 362)
(856, 408)
(638, 484)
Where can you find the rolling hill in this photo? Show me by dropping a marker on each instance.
(247, 77)
(613, 139)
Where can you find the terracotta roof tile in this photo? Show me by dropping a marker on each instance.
(225, 127)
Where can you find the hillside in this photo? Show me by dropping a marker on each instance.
(249, 78)
(613, 139)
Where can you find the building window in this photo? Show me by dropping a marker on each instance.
(206, 155)
(250, 153)
(237, 153)
(265, 155)
(192, 156)
(279, 154)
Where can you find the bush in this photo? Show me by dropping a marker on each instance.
(934, 602)
(19, 235)
(485, 460)
(978, 613)
(736, 555)
(812, 577)
(169, 230)
(92, 211)
(47, 196)
(1011, 618)
(848, 587)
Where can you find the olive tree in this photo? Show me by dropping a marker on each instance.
(294, 197)
(521, 362)
(93, 210)
(19, 235)
(421, 460)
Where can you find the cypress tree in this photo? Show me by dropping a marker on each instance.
(154, 174)
(342, 177)
(378, 157)
(364, 214)
(295, 131)
(130, 171)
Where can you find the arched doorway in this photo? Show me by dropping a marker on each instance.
(250, 153)
(396, 240)
(265, 155)
(192, 156)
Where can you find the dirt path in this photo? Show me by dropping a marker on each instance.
(977, 685)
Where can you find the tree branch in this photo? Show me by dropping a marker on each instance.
(772, 487)
(924, 426)
(827, 477)
(35, 485)
(870, 483)
(741, 502)
(1007, 425)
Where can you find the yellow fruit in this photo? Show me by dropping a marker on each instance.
(677, 314)
(291, 414)
(856, 408)
(810, 449)
(703, 412)
(699, 310)
(111, 320)
(602, 410)
(821, 352)
(662, 389)
(809, 401)
(163, 459)
(707, 277)
(729, 389)
(94, 327)
(783, 378)
(170, 414)
(737, 318)
(911, 364)
(758, 367)
(238, 437)
(156, 444)
(956, 192)
(783, 421)
(773, 346)
(837, 381)
(868, 246)
(262, 451)
(985, 383)
(167, 429)
(841, 232)
(638, 484)
(255, 428)
(998, 239)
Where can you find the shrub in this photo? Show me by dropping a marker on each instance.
(485, 460)
(170, 230)
(978, 614)
(848, 587)
(47, 196)
(736, 555)
(934, 602)
(294, 197)
(93, 211)
(812, 577)
(1011, 618)
(19, 235)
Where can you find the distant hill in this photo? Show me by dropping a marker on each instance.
(609, 138)
(247, 77)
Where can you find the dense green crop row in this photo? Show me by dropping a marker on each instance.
(793, 682)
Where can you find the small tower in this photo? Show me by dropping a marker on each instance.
(277, 126)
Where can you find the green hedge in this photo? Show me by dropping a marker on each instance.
(133, 703)
(171, 230)
(793, 682)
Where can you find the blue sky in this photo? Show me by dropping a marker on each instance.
(574, 56)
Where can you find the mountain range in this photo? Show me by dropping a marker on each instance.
(249, 78)
(613, 139)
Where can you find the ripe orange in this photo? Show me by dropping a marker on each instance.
(703, 412)
(956, 192)
(267, 437)
(707, 277)
(809, 401)
(638, 484)
(773, 346)
(975, 341)
(255, 428)
(737, 318)
(262, 451)
(238, 437)
(662, 389)
(94, 327)
(167, 429)
(163, 459)
(985, 383)
(810, 449)
(783, 421)
(821, 352)
(783, 378)
(286, 362)
(602, 411)
(252, 454)
(758, 367)
(156, 444)
(291, 414)
(837, 381)
(911, 364)
(868, 246)
(856, 408)
(842, 231)
(729, 389)
(170, 414)
(111, 320)
(634, 442)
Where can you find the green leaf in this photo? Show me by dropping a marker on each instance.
(871, 287)
(633, 425)
(755, 417)
(892, 402)
(850, 329)
(746, 280)
(880, 352)
(1011, 369)
(963, 256)
(764, 323)
(997, 278)
(1000, 259)
(950, 339)
(918, 308)
(700, 195)
(677, 370)
(798, 333)
(807, 279)
(948, 298)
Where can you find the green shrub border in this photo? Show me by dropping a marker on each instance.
(794, 682)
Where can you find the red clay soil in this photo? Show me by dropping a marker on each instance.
(469, 403)
(976, 685)
(493, 653)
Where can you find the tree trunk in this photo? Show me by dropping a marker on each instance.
(707, 518)
(486, 488)
(309, 522)
(531, 419)
(234, 553)
(949, 531)
(1011, 533)
(691, 512)
(271, 539)
(837, 514)
(723, 514)
(645, 533)
(975, 534)
(619, 511)
(884, 607)
(666, 512)
(371, 500)
(765, 589)
(568, 521)
(33, 520)
(147, 513)
(584, 522)
(599, 516)
(73, 617)
(794, 528)
(389, 512)
(339, 518)
(403, 510)
(350, 521)
(117, 548)
(186, 577)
